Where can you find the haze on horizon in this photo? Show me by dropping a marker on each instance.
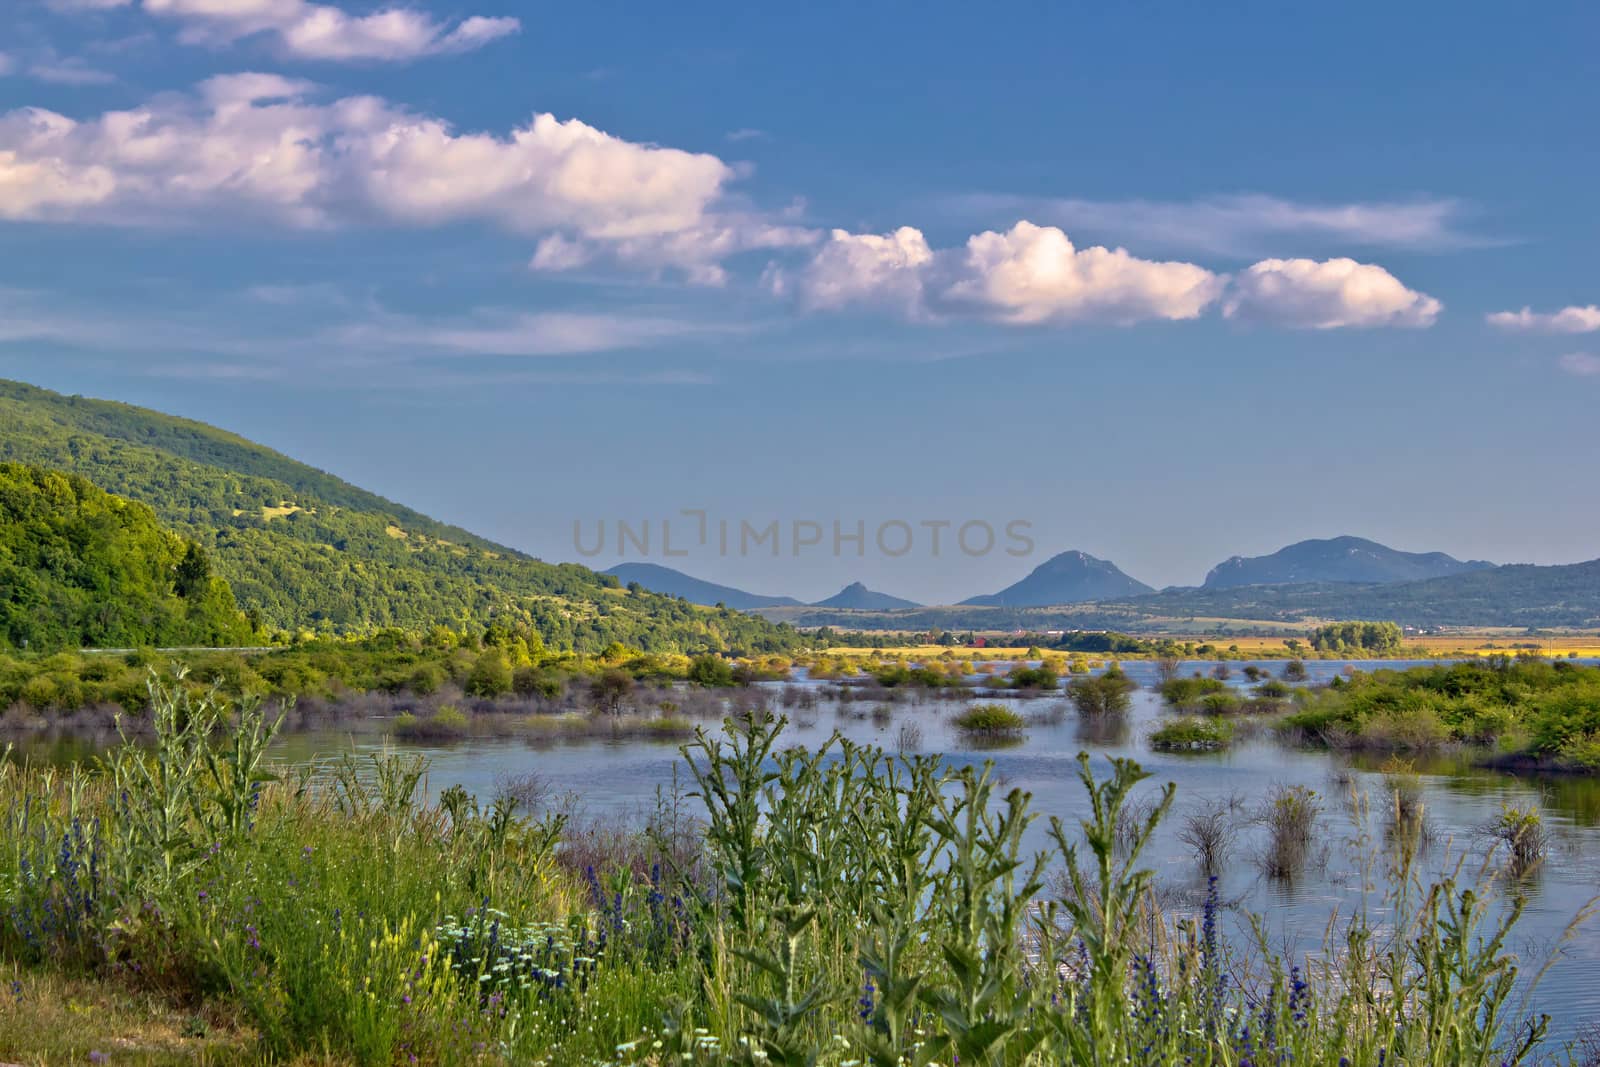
(1167, 290)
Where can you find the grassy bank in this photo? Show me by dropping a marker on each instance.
(1523, 709)
(836, 907)
(317, 674)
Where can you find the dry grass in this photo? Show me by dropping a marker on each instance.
(50, 1018)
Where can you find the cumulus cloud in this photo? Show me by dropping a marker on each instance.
(1322, 295)
(1026, 275)
(1033, 274)
(1246, 224)
(264, 146)
(1567, 320)
(308, 30)
(1581, 364)
(864, 268)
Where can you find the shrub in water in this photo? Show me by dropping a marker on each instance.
(1521, 831)
(990, 720)
(1106, 694)
(1192, 733)
(1224, 703)
(448, 723)
(1040, 677)
(1188, 692)
(1290, 816)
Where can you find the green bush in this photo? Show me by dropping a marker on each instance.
(490, 675)
(1226, 702)
(711, 672)
(1192, 733)
(1189, 692)
(1040, 677)
(1108, 693)
(537, 681)
(426, 679)
(990, 719)
(447, 724)
(1541, 709)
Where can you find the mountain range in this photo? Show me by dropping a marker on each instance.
(1337, 559)
(669, 582)
(1337, 578)
(1075, 577)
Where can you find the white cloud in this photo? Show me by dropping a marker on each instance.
(1581, 364)
(1029, 274)
(308, 30)
(43, 64)
(505, 333)
(344, 341)
(261, 146)
(1567, 320)
(69, 70)
(1247, 224)
(1309, 294)
(1033, 274)
(865, 268)
(396, 34)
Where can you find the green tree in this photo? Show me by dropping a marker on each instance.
(711, 672)
(490, 675)
(192, 579)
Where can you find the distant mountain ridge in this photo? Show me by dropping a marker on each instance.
(1337, 559)
(669, 582)
(1068, 578)
(858, 597)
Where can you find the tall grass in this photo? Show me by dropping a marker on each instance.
(833, 906)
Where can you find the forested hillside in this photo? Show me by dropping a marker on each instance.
(304, 550)
(80, 567)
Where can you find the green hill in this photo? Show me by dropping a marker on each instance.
(303, 549)
(80, 567)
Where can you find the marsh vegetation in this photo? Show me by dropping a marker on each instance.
(832, 904)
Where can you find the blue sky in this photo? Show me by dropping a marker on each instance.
(1166, 284)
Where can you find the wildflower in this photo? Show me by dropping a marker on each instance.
(866, 1004)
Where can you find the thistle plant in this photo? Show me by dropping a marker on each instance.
(980, 902)
(1102, 909)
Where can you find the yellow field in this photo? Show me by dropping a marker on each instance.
(1585, 645)
(1482, 643)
